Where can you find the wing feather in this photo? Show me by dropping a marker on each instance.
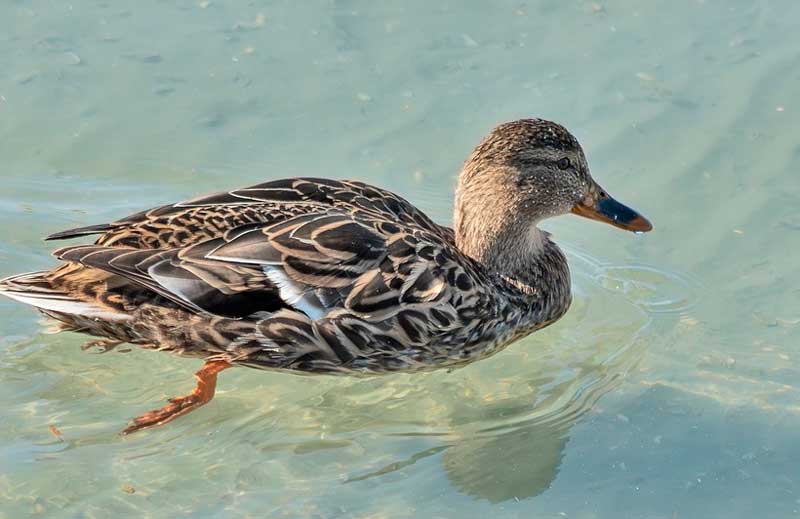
(321, 247)
(212, 216)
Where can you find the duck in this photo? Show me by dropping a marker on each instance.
(322, 276)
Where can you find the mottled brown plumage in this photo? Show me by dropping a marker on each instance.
(324, 276)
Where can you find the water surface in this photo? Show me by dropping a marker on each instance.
(670, 390)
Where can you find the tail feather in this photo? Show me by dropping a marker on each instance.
(33, 288)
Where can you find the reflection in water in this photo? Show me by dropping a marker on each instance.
(514, 461)
(517, 464)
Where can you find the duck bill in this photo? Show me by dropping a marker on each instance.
(603, 208)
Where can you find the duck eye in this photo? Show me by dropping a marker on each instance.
(563, 163)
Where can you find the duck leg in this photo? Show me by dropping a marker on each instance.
(202, 394)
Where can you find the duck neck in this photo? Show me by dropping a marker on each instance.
(496, 235)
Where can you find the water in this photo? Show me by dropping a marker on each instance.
(670, 390)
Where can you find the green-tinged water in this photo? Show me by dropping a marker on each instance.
(670, 390)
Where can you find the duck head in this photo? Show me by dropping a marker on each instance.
(523, 172)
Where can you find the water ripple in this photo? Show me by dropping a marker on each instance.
(652, 288)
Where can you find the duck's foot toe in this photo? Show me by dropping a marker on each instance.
(202, 394)
(176, 407)
(101, 345)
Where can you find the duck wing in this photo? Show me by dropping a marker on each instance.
(211, 216)
(313, 263)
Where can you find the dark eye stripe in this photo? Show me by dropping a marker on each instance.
(533, 162)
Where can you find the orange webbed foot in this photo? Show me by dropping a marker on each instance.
(202, 394)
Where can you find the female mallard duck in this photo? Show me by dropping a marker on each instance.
(324, 276)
